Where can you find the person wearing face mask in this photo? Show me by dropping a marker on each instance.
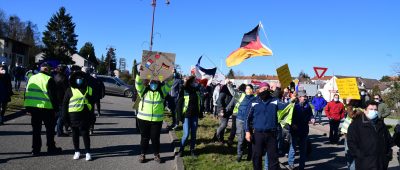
(335, 112)
(369, 140)
(151, 114)
(41, 103)
(5, 91)
(245, 101)
(383, 109)
(77, 111)
(189, 105)
(319, 103)
(302, 115)
(261, 127)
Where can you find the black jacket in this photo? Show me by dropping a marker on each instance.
(62, 84)
(371, 146)
(193, 105)
(5, 88)
(85, 118)
(224, 102)
(52, 92)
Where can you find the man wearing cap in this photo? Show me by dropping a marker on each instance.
(41, 103)
(261, 127)
(302, 115)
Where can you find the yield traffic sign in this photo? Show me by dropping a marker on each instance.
(320, 71)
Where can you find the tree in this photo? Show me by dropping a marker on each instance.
(385, 79)
(3, 24)
(15, 28)
(238, 73)
(102, 68)
(376, 90)
(134, 68)
(87, 51)
(60, 39)
(231, 74)
(111, 60)
(31, 37)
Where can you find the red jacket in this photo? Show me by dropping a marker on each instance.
(335, 110)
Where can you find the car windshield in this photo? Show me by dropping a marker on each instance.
(120, 81)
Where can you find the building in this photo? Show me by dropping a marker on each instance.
(13, 52)
(271, 79)
(81, 61)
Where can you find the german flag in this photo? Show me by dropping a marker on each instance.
(251, 46)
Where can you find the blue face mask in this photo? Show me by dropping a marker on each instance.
(153, 86)
(79, 82)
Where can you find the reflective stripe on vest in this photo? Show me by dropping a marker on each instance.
(153, 107)
(236, 109)
(346, 124)
(187, 98)
(36, 92)
(78, 100)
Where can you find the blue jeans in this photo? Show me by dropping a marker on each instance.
(60, 123)
(171, 101)
(350, 160)
(302, 142)
(189, 124)
(317, 116)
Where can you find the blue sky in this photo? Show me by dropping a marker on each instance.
(358, 37)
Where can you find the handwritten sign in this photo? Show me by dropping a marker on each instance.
(284, 75)
(348, 88)
(157, 65)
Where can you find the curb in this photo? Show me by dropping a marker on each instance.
(175, 144)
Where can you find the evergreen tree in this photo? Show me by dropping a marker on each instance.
(102, 68)
(60, 39)
(87, 51)
(111, 60)
(231, 74)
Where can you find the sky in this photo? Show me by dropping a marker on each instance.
(353, 38)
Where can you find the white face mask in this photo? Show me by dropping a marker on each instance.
(335, 99)
(372, 114)
(319, 95)
(377, 100)
(362, 93)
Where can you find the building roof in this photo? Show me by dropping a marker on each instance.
(325, 78)
(19, 42)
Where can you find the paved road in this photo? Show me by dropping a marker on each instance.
(115, 144)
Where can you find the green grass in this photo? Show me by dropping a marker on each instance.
(16, 104)
(210, 155)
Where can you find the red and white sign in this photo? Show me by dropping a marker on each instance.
(320, 71)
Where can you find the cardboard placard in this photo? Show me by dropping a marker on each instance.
(348, 88)
(284, 75)
(157, 65)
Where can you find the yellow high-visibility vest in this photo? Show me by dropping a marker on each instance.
(36, 94)
(78, 100)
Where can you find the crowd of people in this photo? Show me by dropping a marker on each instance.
(267, 120)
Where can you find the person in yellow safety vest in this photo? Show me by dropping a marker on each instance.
(78, 112)
(40, 102)
(238, 96)
(189, 105)
(351, 113)
(151, 114)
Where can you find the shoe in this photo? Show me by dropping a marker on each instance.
(239, 158)
(63, 135)
(142, 158)
(88, 157)
(54, 150)
(77, 155)
(98, 115)
(230, 143)
(35, 153)
(157, 158)
(291, 167)
(180, 153)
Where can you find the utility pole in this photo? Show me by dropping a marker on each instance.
(154, 4)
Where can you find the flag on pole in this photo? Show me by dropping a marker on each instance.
(251, 46)
(204, 73)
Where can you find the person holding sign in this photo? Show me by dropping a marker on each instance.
(151, 113)
(335, 112)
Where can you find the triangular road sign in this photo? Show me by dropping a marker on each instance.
(320, 71)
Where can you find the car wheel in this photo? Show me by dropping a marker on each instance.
(128, 93)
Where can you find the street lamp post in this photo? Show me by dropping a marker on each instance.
(154, 3)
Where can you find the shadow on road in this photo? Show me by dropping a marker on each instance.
(117, 113)
(114, 131)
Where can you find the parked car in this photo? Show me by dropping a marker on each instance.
(116, 86)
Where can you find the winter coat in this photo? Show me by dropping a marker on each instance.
(383, 110)
(216, 95)
(62, 84)
(335, 110)
(224, 102)
(84, 118)
(302, 114)
(369, 144)
(5, 88)
(244, 107)
(319, 103)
